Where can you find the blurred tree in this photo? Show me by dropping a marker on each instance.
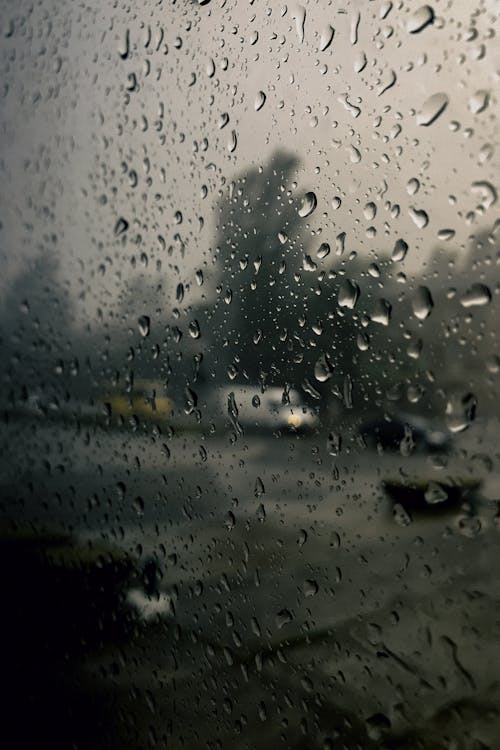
(35, 331)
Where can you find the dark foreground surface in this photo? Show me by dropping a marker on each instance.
(288, 599)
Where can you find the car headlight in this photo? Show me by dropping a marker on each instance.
(294, 420)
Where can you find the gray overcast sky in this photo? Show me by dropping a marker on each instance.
(349, 112)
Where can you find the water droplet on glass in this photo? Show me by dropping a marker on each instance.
(310, 587)
(302, 537)
(323, 369)
(124, 46)
(377, 726)
(323, 250)
(381, 313)
(401, 515)
(407, 444)
(284, 617)
(388, 84)
(138, 505)
(194, 329)
(446, 234)
(461, 412)
(260, 100)
(326, 37)
(420, 217)
(308, 264)
(355, 20)
(354, 154)
(259, 487)
(413, 186)
(309, 203)
(479, 101)
(340, 243)
(419, 19)
(190, 400)
(469, 526)
(493, 364)
(399, 251)
(121, 226)
(488, 192)
(350, 107)
(422, 303)
(233, 142)
(334, 443)
(370, 211)
(233, 413)
(415, 393)
(435, 494)
(299, 17)
(229, 520)
(477, 295)
(210, 69)
(360, 62)
(144, 325)
(414, 349)
(432, 108)
(223, 120)
(308, 388)
(348, 294)
(362, 342)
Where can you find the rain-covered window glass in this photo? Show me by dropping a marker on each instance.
(250, 362)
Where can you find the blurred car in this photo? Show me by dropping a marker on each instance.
(147, 399)
(390, 432)
(274, 409)
(420, 494)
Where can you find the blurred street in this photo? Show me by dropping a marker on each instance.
(286, 576)
(250, 367)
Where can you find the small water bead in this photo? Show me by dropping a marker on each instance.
(326, 37)
(260, 100)
(479, 102)
(432, 108)
(422, 303)
(446, 234)
(419, 216)
(420, 19)
(413, 186)
(399, 251)
(370, 211)
(309, 203)
(348, 294)
(144, 324)
(477, 295)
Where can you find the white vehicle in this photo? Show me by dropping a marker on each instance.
(275, 409)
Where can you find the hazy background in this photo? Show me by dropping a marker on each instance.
(77, 119)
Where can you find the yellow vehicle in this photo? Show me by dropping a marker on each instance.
(147, 400)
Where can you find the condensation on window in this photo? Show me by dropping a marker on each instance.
(250, 493)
